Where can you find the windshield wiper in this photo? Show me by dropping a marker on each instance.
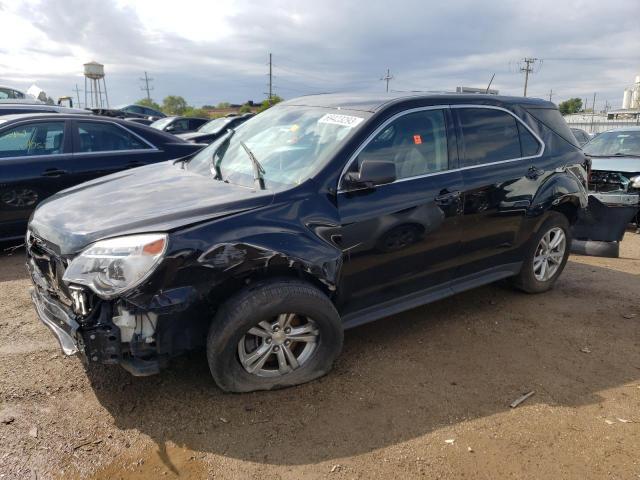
(258, 171)
(215, 165)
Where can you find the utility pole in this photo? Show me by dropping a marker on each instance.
(270, 77)
(550, 94)
(527, 69)
(146, 86)
(387, 77)
(593, 111)
(78, 95)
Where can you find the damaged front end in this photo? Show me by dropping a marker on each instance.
(103, 327)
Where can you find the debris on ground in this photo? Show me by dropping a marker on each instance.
(629, 316)
(336, 468)
(624, 420)
(521, 399)
(450, 441)
(585, 350)
(33, 432)
(224, 420)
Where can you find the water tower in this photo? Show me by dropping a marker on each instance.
(95, 96)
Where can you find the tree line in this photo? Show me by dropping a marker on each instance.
(177, 105)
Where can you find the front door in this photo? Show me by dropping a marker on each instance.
(402, 237)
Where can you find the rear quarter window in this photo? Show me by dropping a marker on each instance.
(552, 119)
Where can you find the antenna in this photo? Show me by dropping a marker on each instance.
(490, 82)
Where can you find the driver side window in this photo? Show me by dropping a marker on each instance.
(416, 143)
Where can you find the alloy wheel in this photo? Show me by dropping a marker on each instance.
(278, 346)
(549, 254)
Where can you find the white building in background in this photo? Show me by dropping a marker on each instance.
(631, 96)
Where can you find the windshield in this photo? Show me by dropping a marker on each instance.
(163, 122)
(290, 142)
(615, 143)
(213, 126)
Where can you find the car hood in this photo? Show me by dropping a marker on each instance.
(616, 164)
(155, 198)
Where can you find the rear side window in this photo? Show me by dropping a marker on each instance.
(488, 136)
(552, 119)
(106, 137)
(42, 138)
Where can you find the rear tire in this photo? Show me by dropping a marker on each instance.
(245, 332)
(544, 264)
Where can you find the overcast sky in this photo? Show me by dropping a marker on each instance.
(212, 51)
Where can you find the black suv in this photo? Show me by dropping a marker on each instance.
(318, 215)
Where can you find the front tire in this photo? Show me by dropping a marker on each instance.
(546, 256)
(276, 334)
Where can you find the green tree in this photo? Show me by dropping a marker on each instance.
(195, 112)
(174, 105)
(270, 103)
(245, 108)
(223, 105)
(147, 102)
(573, 105)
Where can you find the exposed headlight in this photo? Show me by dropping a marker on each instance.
(635, 182)
(110, 267)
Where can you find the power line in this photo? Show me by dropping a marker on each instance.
(387, 77)
(146, 86)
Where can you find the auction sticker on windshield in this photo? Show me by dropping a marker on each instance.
(344, 120)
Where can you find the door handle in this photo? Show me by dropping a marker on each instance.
(534, 173)
(53, 172)
(447, 197)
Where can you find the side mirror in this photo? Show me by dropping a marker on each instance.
(372, 173)
(170, 128)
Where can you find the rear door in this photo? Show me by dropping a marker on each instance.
(103, 147)
(498, 163)
(403, 237)
(34, 164)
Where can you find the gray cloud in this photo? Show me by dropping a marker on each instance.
(336, 45)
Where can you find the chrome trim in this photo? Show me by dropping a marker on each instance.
(50, 155)
(437, 107)
(140, 150)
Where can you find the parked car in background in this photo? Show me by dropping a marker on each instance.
(614, 187)
(581, 136)
(9, 93)
(19, 107)
(214, 129)
(177, 125)
(262, 247)
(141, 121)
(41, 154)
(140, 112)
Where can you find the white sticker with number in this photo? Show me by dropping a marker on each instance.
(343, 120)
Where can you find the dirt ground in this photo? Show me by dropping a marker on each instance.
(422, 394)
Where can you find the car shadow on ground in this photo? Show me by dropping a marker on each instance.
(459, 359)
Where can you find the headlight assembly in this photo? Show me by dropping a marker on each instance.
(111, 267)
(635, 182)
